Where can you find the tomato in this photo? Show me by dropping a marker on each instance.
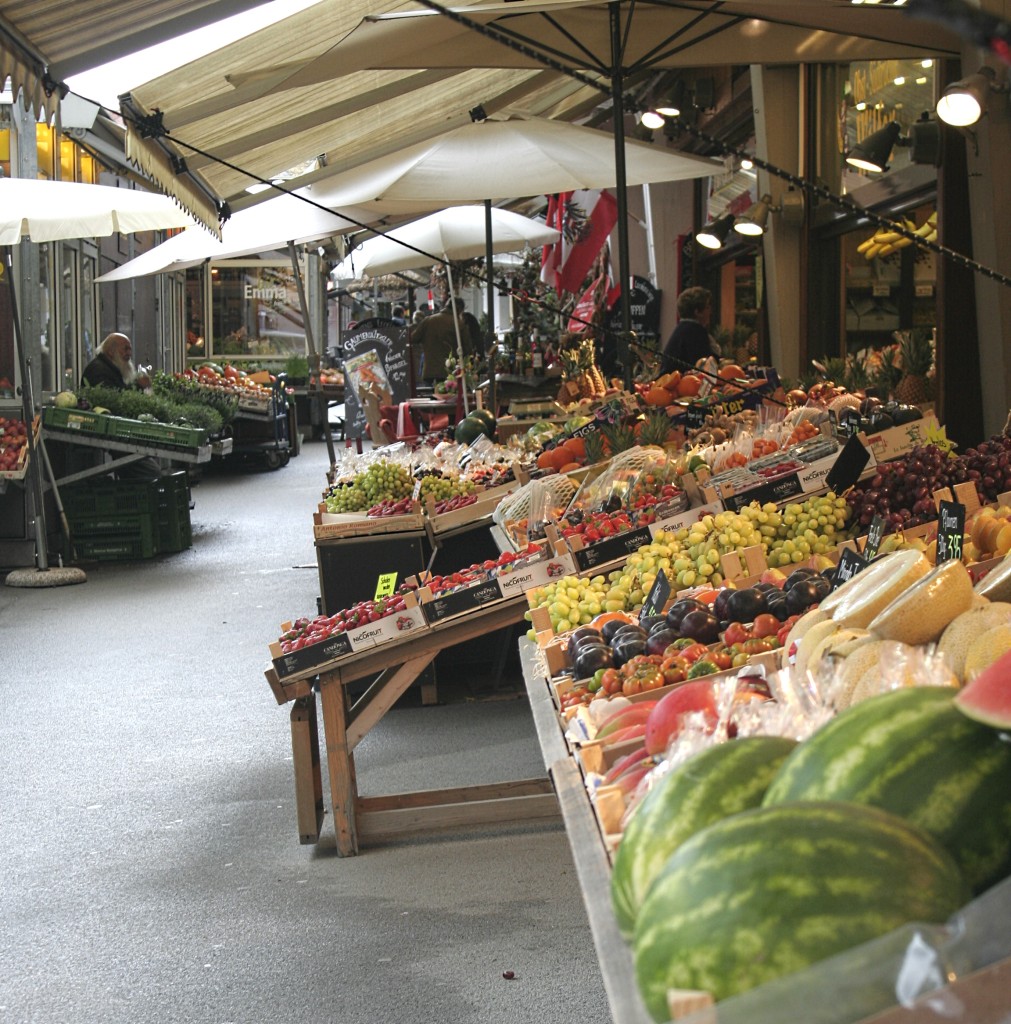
(611, 680)
(765, 624)
(631, 685)
(736, 633)
(756, 645)
(674, 670)
(693, 653)
(679, 645)
(739, 659)
(723, 658)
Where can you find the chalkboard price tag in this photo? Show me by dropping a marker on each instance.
(950, 529)
(695, 416)
(848, 466)
(874, 534)
(386, 586)
(656, 599)
(850, 563)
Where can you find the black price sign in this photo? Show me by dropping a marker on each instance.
(874, 535)
(611, 548)
(695, 416)
(850, 563)
(950, 529)
(848, 466)
(656, 599)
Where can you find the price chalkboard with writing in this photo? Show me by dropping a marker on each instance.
(874, 534)
(656, 599)
(950, 530)
(850, 563)
(374, 354)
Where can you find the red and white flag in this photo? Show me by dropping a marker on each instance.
(601, 292)
(585, 218)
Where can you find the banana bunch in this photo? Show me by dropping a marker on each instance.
(885, 241)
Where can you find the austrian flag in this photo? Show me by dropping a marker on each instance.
(585, 219)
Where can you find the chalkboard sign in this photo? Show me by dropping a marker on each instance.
(643, 307)
(950, 530)
(848, 466)
(374, 354)
(656, 599)
(874, 535)
(850, 563)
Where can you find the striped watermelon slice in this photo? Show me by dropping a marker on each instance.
(772, 890)
(717, 782)
(987, 698)
(912, 753)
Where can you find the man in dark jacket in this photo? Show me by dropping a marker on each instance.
(113, 365)
(691, 340)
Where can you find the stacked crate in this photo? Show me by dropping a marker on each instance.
(120, 520)
(175, 532)
(113, 520)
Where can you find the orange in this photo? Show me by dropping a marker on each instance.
(603, 617)
(569, 467)
(657, 396)
(730, 372)
(546, 460)
(577, 447)
(689, 385)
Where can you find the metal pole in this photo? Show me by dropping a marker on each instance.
(28, 411)
(459, 340)
(618, 112)
(490, 271)
(315, 366)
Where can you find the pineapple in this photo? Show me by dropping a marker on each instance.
(594, 442)
(916, 357)
(655, 428)
(620, 437)
(886, 376)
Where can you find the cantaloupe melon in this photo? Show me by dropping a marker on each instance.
(884, 581)
(907, 565)
(920, 615)
(968, 627)
(986, 649)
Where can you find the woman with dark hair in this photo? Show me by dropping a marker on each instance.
(691, 340)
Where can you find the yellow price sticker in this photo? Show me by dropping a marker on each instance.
(939, 436)
(386, 586)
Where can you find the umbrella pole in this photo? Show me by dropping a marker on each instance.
(314, 357)
(42, 575)
(621, 188)
(459, 340)
(490, 271)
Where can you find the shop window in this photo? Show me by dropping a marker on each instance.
(886, 290)
(255, 312)
(878, 93)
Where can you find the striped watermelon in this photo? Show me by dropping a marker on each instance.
(773, 890)
(911, 752)
(715, 783)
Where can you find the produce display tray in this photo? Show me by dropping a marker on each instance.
(329, 526)
(165, 434)
(133, 445)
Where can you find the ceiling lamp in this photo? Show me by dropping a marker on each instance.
(752, 221)
(873, 153)
(964, 102)
(652, 119)
(714, 234)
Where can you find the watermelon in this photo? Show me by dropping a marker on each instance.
(772, 890)
(987, 698)
(911, 752)
(713, 784)
(468, 430)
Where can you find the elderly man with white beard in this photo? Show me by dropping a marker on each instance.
(113, 365)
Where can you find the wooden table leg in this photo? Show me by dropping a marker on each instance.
(308, 777)
(340, 762)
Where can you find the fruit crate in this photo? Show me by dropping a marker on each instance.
(110, 498)
(82, 420)
(156, 433)
(114, 548)
(175, 532)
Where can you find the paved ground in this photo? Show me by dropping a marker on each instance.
(151, 864)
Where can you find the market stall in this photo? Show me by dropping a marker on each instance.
(691, 572)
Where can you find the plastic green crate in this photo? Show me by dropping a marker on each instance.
(82, 420)
(114, 549)
(174, 534)
(156, 433)
(110, 498)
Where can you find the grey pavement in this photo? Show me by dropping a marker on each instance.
(151, 869)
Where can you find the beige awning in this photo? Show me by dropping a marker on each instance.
(350, 80)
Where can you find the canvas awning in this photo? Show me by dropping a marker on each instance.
(40, 38)
(348, 81)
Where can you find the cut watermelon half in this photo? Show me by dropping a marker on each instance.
(987, 698)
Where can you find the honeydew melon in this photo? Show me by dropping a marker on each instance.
(881, 583)
(960, 633)
(986, 649)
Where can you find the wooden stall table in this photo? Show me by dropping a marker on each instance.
(393, 668)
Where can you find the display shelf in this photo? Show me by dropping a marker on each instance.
(588, 851)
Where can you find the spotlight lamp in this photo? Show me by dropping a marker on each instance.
(964, 102)
(652, 119)
(752, 221)
(715, 233)
(873, 153)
